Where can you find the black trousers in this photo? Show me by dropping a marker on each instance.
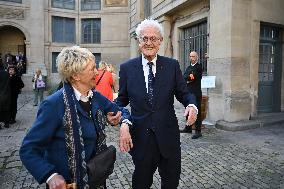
(13, 109)
(198, 121)
(169, 169)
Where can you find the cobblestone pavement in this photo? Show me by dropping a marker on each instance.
(220, 159)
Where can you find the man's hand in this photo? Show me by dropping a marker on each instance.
(114, 119)
(57, 182)
(125, 141)
(191, 115)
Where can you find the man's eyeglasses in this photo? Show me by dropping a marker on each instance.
(146, 39)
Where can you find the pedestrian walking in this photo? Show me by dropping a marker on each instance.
(38, 87)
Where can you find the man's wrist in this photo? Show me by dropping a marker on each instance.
(192, 105)
(50, 177)
(126, 121)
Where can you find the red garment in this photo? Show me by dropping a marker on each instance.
(105, 84)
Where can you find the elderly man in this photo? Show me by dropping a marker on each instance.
(149, 83)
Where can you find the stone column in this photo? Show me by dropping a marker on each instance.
(166, 48)
(36, 20)
(229, 48)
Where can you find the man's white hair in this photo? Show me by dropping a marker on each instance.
(149, 23)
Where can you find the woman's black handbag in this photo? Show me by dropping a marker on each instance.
(102, 165)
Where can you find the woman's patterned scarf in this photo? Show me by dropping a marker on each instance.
(74, 139)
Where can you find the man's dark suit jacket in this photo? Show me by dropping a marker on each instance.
(168, 83)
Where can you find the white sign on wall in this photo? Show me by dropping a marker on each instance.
(208, 81)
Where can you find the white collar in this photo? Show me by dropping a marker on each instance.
(145, 61)
(81, 97)
(193, 64)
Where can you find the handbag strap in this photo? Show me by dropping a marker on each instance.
(101, 77)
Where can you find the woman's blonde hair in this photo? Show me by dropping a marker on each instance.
(103, 65)
(72, 60)
(38, 71)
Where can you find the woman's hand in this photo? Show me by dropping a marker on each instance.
(114, 119)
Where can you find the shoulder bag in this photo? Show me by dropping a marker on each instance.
(102, 164)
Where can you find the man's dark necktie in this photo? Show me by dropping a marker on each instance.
(150, 83)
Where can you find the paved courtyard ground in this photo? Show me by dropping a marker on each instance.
(220, 159)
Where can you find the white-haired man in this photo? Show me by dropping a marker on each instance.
(149, 83)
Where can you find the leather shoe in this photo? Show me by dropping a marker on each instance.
(187, 129)
(6, 125)
(197, 135)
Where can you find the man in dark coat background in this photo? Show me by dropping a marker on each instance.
(16, 84)
(193, 76)
(5, 96)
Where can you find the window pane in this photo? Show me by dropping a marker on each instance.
(91, 30)
(15, 1)
(194, 38)
(90, 5)
(54, 66)
(64, 4)
(63, 29)
(98, 58)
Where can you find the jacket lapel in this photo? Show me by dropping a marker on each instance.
(140, 79)
(158, 79)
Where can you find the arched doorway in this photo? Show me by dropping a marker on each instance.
(12, 46)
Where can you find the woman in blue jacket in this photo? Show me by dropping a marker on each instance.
(63, 136)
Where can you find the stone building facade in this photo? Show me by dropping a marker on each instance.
(41, 28)
(239, 41)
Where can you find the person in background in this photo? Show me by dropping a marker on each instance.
(63, 137)
(16, 84)
(104, 81)
(112, 70)
(193, 76)
(5, 96)
(38, 86)
(20, 68)
(150, 83)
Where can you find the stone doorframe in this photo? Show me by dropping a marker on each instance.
(25, 32)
